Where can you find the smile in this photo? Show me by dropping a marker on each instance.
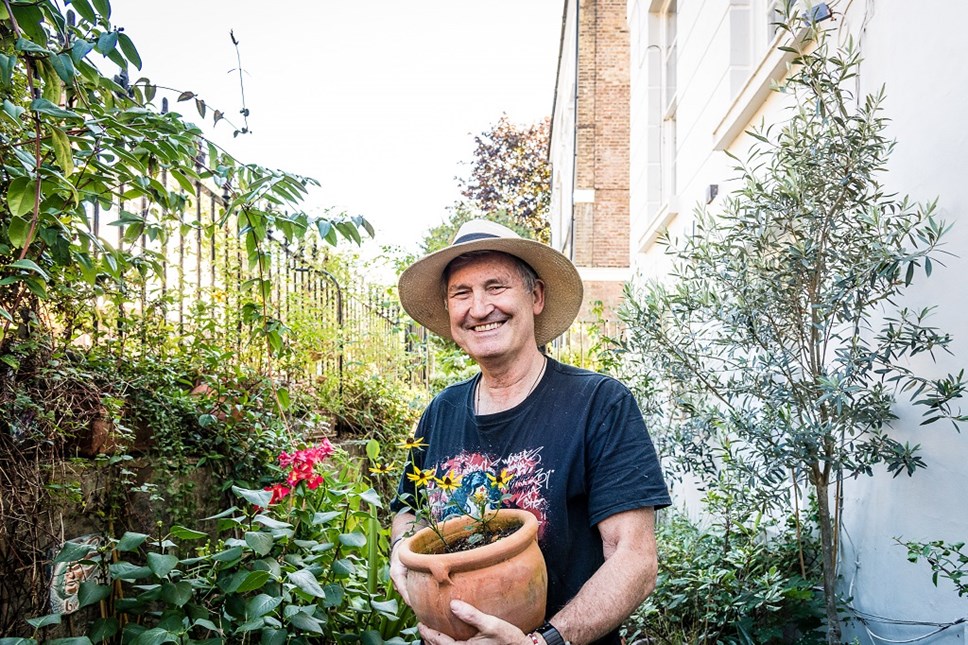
(488, 326)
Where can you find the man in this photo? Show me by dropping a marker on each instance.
(572, 443)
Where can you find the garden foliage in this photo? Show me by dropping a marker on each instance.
(780, 343)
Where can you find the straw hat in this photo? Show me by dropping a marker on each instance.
(421, 291)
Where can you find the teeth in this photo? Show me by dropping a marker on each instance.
(487, 327)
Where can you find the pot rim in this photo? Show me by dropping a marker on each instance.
(478, 557)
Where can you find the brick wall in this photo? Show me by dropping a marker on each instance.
(601, 232)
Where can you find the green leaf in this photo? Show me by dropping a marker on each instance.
(74, 551)
(183, 533)
(91, 592)
(84, 10)
(80, 49)
(270, 523)
(258, 498)
(386, 606)
(20, 197)
(129, 50)
(106, 42)
(176, 594)
(14, 111)
(43, 106)
(154, 636)
(103, 629)
(44, 621)
(372, 497)
(29, 265)
(6, 69)
(372, 637)
(74, 640)
(130, 541)
(354, 539)
(254, 580)
(63, 64)
(17, 231)
(261, 605)
(104, 8)
(30, 47)
(260, 542)
(228, 555)
(127, 571)
(334, 595)
(161, 564)
(306, 581)
(306, 623)
(283, 394)
(62, 149)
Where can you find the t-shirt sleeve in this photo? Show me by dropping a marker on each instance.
(623, 468)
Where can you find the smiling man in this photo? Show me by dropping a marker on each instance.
(568, 445)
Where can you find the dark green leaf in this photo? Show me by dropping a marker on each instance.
(270, 523)
(228, 555)
(84, 10)
(306, 623)
(258, 498)
(91, 592)
(130, 541)
(104, 8)
(176, 594)
(355, 539)
(106, 42)
(44, 621)
(183, 533)
(253, 580)
(80, 49)
(29, 265)
(17, 231)
(74, 551)
(6, 69)
(103, 629)
(185, 96)
(129, 50)
(372, 637)
(43, 106)
(63, 64)
(261, 605)
(127, 571)
(306, 581)
(161, 564)
(155, 636)
(30, 47)
(260, 542)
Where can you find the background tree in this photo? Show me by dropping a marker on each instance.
(510, 173)
(782, 344)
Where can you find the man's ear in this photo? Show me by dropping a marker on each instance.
(539, 296)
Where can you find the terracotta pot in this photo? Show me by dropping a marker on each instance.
(506, 578)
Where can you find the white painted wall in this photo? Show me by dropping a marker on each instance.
(563, 125)
(916, 49)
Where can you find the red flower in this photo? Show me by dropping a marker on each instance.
(279, 492)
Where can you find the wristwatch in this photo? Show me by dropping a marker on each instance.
(551, 635)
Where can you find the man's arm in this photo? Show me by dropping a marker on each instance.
(610, 596)
(620, 585)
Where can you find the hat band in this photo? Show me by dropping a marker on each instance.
(470, 237)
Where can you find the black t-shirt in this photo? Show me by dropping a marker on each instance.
(574, 452)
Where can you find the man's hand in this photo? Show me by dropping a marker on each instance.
(398, 573)
(491, 630)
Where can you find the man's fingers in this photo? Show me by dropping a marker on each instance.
(469, 614)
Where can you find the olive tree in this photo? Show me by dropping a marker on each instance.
(781, 340)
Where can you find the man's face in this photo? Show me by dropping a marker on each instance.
(491, 310)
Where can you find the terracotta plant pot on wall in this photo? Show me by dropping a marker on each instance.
(506, 578)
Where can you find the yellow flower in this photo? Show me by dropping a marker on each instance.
(381, 469)
(421, 477)
(449, 481)
(412, 443)
(502, 480)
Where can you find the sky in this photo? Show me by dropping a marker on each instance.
(379, 100)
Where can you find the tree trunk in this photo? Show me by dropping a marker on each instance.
(827, 542)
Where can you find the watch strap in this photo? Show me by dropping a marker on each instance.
(550, 634)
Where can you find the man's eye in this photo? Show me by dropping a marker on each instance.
(460, 294)
(497, 288)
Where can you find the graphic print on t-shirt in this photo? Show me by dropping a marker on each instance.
(483, 481)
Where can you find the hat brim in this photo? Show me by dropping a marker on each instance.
(422, 294)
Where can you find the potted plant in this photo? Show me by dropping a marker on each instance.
(486, 557)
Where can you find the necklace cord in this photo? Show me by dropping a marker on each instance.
(477, 394)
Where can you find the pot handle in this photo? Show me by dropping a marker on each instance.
(441, 574)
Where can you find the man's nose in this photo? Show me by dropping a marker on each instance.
(480, 304)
